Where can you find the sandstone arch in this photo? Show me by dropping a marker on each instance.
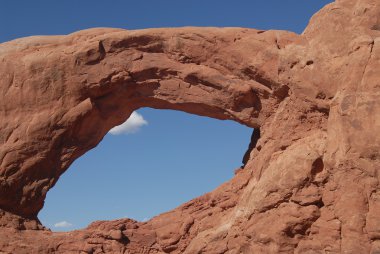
(79, 94)
(310, 94)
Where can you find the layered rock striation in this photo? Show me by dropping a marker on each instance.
(310, 181)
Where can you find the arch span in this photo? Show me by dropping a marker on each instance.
(69, 96)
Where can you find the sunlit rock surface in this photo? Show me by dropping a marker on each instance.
(310, 183)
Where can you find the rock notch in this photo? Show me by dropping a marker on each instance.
(310, 183)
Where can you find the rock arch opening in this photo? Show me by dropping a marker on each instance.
(172, 159)
(115, 72)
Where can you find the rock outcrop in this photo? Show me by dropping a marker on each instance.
(310, 181)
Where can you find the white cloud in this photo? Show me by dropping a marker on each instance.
(63, 224)
(132, 125)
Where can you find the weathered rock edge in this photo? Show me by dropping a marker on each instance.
(310, 183)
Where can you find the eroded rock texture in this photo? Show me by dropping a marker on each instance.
(310, 183)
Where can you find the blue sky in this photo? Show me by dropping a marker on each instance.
(162, 158)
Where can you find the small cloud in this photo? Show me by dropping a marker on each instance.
(63, 224)
(145, 219)
(132, 125)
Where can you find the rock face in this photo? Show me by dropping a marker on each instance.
(310, 183)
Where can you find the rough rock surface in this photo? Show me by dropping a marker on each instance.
(310, 182)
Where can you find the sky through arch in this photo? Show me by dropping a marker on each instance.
(172, 158)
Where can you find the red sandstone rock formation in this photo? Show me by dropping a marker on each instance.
(310, 183)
